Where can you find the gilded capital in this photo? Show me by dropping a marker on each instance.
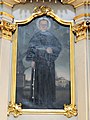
(14, 109)
(70, 110)
(7, 29)
(80, 31)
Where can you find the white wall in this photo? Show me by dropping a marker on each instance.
(24, 11)
(41, 117)
(88, 74)
(4, 76)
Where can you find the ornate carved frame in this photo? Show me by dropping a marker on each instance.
(16, 110)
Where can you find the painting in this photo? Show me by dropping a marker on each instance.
(43, 72)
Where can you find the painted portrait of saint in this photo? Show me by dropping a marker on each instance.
(43, 64)
(44, 48)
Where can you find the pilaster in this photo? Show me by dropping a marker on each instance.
(88, 65)
(80, 30)
(6, 35)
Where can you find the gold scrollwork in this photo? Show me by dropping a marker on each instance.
(42, 10)
(70, 110)
(14, 109)
(80, 31)
(6, 30)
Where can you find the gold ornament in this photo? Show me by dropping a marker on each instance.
(14, 109)
(80, 31)
(70, 110)
(7, 29)
(42, 10)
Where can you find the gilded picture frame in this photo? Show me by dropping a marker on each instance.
(15, 108)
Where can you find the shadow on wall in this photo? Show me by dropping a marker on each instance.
(23, 11)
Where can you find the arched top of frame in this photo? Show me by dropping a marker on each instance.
(43, 10)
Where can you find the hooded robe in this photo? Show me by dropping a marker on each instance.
(43, 90)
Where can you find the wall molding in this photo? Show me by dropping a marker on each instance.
(82, 15)
(75, 3)
(81, 4)
(7, 14)
(67, 1)
(7, 4)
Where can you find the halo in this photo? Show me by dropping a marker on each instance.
(43, 18)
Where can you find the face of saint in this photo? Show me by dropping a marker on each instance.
(43, 25)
